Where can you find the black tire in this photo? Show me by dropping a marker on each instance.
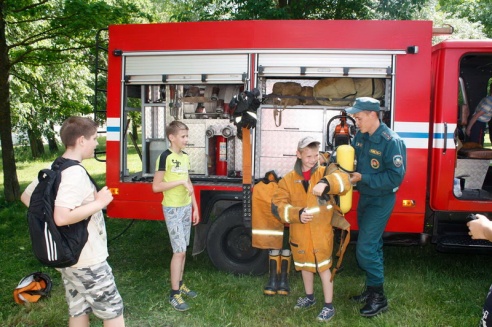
(229, 245)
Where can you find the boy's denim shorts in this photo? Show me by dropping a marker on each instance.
(92, 289)
(178, 222)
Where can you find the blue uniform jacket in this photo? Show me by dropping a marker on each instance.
(381, 159)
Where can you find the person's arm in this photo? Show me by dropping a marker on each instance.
(480, 228)
(283, 210)
(337, 182)
(158, 184)
(65, 216)
(355, 177)
(195, 215)
(473, 120)
(25, 198)
(26, 195)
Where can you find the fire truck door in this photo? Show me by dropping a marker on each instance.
(459, 167)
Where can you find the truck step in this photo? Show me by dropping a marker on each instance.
(463, 243)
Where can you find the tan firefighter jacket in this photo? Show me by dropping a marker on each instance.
(267, 230)
(311, 243)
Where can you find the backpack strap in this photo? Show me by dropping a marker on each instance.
(338, 220)
(60, 164)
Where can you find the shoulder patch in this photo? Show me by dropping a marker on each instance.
(386, 136)
(398, 161)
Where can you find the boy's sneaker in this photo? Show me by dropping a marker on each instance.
(304, 303)
(326, 314)
(184, 290)
(178, 303)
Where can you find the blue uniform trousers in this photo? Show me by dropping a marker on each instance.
(373, 213)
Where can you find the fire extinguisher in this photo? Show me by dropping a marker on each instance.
(221, 155)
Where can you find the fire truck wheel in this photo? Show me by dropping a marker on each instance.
(229, 245)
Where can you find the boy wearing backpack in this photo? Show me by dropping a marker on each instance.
(311, 233)
(89, 284)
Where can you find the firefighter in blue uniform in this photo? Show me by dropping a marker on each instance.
(381, 162)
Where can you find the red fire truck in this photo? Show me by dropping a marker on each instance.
(190, 71)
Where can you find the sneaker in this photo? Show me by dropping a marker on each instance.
(326, 314)
(184, 290)
(304, 303)
(178, 303)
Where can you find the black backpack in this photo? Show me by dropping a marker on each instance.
(54, 246)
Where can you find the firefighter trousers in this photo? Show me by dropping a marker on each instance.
(373, 213)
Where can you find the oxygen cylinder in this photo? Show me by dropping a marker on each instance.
(345, 158)
(220, 155)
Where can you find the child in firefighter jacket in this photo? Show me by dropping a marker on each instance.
(311, 232)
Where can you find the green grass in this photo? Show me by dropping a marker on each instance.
(424, 287)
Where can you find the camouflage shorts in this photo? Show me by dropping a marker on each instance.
(92, 289)
(178, 222)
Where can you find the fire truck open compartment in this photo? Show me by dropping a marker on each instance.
(159, 88)
(206, 115)
(174, 86)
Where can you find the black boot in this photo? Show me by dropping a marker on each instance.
(274, 265)
(283, 285)
(361, 298)
(376, 302)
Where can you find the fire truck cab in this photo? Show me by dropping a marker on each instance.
(158, 73)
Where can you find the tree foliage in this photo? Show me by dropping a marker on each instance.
(203, 10)
(396, 9)
(45, 51)
(475, 11)
(463, 28)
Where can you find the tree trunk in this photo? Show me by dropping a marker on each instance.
(52, 143)
(134, 128)
(282, 3)
(10, 180)
(37, 149)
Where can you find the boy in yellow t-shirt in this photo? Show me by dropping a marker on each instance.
(171, 178)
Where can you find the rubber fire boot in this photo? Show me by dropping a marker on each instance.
(283, 285)
(361, 298)
(376, 302)
(274, 265)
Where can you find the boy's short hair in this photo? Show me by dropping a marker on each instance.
(75, 127)
(174, 127)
